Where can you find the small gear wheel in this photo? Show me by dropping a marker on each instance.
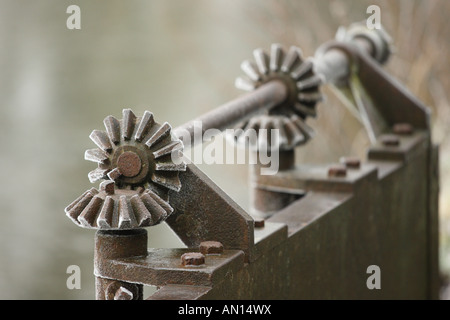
(303, 87)
(118, 209)
(136, 151)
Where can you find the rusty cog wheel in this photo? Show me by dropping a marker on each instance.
(111, 208)
(136, 151)
(135, 157)
(303, 87)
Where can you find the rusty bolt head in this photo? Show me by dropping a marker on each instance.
(353, 163)
(211, 247)
(403, 128)
(337, 171)
(389, 140)
(192, 259)
(259, 223)
(107, 186)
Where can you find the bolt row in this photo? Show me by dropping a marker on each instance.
(208, 248)
(388, 140)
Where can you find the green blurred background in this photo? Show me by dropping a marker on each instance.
(178, 59)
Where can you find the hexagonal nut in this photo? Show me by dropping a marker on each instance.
(192, 259)
(259, 223)
(337, 171)
(211, 247)
(390, 140)
(351, 162)
(403, 129)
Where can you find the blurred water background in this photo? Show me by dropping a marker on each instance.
(178, 59)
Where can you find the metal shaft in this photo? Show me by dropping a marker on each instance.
(334, 64)
(263, 98)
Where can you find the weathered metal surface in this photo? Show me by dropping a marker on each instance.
(114, 245)
(164, 266)
(326, 224)
(204, 212)
(321, 245)
(179, 292)
(334, 236)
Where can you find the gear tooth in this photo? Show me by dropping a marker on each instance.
(304, 110)
(295, 136)
(173, 146)
(157, 212)
(310, 97)
(96, 155)
(253, 124)
(140, 189)
(304, 128)
(283, 140)
(250, 70)
(128, 123)
(239, 130)
(309, 83)
(246, 138)
(244, 84)
(75, 202)
(262, 61)
(76, 207)
(114, 174)
(164, 204)
(112, 126)
(270, 131)
(167, 179)
(169, 166)
(143, 216)
(160, 134)
(276, 56)
(88, 216)
(97, 174)
(105, 217)
(147, 121)
(293, 57)
(263, 139)
(126, 218)
(101, 139)
(302, 69)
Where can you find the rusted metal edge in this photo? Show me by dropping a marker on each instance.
(316, 177)
(392, 99)
(311, 207)
(163, 266)
(408, 147)
(179, 292)
(433, 223)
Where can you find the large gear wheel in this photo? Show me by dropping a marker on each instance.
(136, 152)
(303, 87)
(135, 157)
